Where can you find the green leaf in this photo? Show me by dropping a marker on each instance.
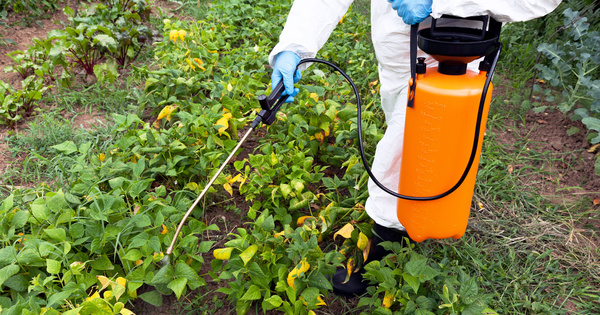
(53, 266)
(7, 204)
(7, 255)
(67, 147)
(164, 275)
(272, 302)
(106, 41)
(177, 285)
(152, 297)
(59, 297)
(268, 224)
(248, 253)
(133, 255)
(253, 293)
(412, 281)
(8, 272)
(182, 270)
(416, 267)
(58, 234)
(102, 263)
(139, 167)
(19, 219)
(468, 291)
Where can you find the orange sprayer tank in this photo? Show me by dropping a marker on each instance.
(438, 140)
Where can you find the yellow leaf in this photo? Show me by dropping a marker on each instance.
(104, 281)
(223, 253)
(248, 253)
(301, 220)
(387, 300)
(158, 256)
(594, 148)
(101, 157)
(321, 302)
(311, 312)
(314, 96)
(94, 296)
(345, 231)
(164, 230)
(236, 178)
(122, 281)
(107, 294)
(302, 266)
(228, 188)
(362, 241)
(279, 234)
(139, 262)
(366, 251)
(165, 112)
(350, 266)
(229, 87)
(319, 137)
(182, 34)
(125, 311)
(173, 35)
(224, 121)
(199, 61)
(189, 62)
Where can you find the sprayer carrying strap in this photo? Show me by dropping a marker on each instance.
(413, 64)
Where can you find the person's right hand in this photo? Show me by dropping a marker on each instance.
(285, 69)
(412, 11)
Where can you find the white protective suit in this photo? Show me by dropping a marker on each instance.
(308, 26)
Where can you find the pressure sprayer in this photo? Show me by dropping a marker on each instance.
(446, 112)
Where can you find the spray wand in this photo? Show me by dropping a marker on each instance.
(270, 106)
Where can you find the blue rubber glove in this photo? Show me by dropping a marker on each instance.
(412, 11)
(283, 69)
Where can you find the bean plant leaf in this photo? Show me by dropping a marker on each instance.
(177, 285)
(67, 147)
(223, 253)
(345, 231)
(272, 302)
(53, 266)
(8, 272)
(152, 297)
(412, 281)
(253, 293)
(248, 253)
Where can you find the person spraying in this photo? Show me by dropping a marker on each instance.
(309, 25)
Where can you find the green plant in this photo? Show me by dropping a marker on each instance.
(574, 67)
(32, 9)
(18, 103)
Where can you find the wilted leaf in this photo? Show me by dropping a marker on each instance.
(362, 241)
(345, 231)
(224, 121)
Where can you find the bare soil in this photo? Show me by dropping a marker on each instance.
(566, 177)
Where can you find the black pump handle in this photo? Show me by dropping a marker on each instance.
(455, 33)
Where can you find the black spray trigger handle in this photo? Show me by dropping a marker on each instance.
(267, 102)
(270, 105)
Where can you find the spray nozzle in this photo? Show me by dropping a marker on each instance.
(270, 105)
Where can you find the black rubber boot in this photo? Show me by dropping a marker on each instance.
(356, 285)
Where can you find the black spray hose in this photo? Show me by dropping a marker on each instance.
(360, 136)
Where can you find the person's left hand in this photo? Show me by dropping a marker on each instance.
(412, 11)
